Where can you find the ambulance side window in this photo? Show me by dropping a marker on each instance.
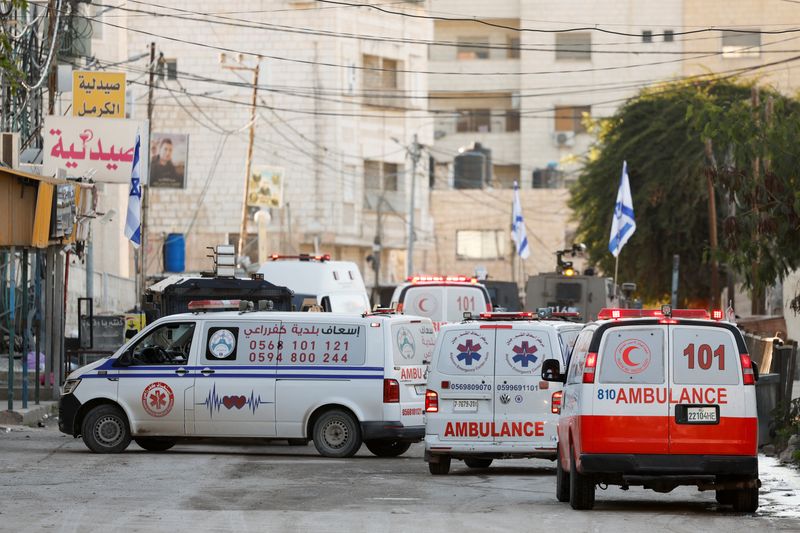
(704, 355)
(578, 357)
(467, 353)
(167, 344)
(632, 355)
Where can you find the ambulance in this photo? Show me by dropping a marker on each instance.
(336, 379)
(657, 398)
(485, 398)
(443, 299)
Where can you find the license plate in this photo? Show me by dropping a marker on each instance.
(420, 389)
(465, 406)
(702, 415)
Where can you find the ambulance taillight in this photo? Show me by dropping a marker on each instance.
(748, 377)
(588, 368)
(431, 401)
(555, 402)
(391, 391)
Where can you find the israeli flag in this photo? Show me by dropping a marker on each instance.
(622, 225)
(518, 226)
(133, 221)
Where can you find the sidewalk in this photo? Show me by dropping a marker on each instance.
(27, 417)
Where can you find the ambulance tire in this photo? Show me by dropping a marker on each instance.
(581, 488)
(478, 463)
(387, 447)
(105, 429)
(152, 444)
(745, 500)
(337, 434)
(440, 468)
(562, 481)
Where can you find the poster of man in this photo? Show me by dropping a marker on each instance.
(169, 153)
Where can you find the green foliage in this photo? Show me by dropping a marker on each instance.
(661, 133)
(785, 423)
(9, 65)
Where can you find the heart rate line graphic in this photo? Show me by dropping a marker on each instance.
(214, 403)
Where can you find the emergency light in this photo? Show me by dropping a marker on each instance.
(205, 305)
(442, 279)
(609, 313)
(303, 257)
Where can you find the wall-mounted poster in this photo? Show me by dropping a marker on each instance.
(169, 155)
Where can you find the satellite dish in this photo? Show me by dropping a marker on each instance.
(108, 216)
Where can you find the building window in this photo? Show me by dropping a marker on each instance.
(574, 46)
(474, 120)
(512, 120)
(381, 176)
(513, 48)
(472, 48)
(381, 80)
(481, 244)
(647, 36)
(740, 44)
(570, 118)
(669, 36)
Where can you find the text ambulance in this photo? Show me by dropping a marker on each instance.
(339, 380)
(658, 399)
(485, 397)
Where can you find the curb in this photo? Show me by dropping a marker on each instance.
(29, 416)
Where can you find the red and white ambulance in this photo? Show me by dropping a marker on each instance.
(658, 398)
(485, 398)
(443, 299)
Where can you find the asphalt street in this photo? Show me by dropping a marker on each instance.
(51, 482)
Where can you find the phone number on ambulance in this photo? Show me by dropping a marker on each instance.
(470, 386)
(300, 356)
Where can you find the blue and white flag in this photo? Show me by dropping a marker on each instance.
(518, 226)
(133, 222)
(622, 225)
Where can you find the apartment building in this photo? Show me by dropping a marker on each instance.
(334, 112)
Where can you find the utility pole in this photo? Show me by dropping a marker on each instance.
(414, 151)
(143, 246)
(248, 165)
(53, 75)
(711, 171)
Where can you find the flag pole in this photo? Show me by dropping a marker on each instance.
(616, 271)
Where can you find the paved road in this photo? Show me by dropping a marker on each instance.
(50, 482)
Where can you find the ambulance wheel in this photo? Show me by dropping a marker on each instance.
(440, 468)
(336, 434)
(478, 463)
(581, 488)
(105, 429)
(724, 497)
(562, 481)
(745, 500)
(153, 444)
(387, 448)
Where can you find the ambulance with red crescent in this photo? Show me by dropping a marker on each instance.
(443, 299)
(658, 399)
(485, 398)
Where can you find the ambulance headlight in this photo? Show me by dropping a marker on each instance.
(70, 385)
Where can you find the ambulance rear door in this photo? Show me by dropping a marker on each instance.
(465, 382)
(521, 408)
(630, 412)
(711, 410)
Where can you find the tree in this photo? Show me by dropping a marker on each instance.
(9, 66)
(662, 133)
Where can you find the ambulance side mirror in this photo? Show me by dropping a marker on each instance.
(551, 371)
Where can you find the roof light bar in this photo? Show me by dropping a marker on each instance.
(202, 305)
(302, 257)
(614, 314)
(442, 279)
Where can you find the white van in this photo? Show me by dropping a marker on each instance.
(336, 286)
(338, 380)
(659, 399)
(443, 299)
(485, 398)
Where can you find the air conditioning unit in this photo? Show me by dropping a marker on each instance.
(9, 149)
(564, 138)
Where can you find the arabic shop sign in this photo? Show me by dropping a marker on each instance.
(98, 94)
(105, 145)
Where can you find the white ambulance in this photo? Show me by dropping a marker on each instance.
(485, 398)
(658, 398)
(338, 380)
(335, 286)
(443, 299)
